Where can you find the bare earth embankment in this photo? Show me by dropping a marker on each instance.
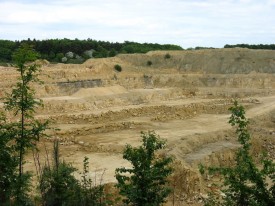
(185, 99)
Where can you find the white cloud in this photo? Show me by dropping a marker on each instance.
(184, 22)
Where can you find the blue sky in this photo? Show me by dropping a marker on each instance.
(187, 23)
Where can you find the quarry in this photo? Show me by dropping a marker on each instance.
(184, 97)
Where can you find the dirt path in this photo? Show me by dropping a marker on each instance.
(266, 105)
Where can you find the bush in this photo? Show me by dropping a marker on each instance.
(112, 53)
(145, 183)
(118, 68)
(58, 186)
(149, 63)
(8, 162)
(167, 56)
(92, 194)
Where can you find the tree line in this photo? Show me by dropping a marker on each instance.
(54, 50)
(252, 46)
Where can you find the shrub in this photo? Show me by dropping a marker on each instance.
(118, 68)
(8, 162)
(57, 185)
(92, 194)
(112, 53)
(145, 183)
(167, 56)
(149, 63)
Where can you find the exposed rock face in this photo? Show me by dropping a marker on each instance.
(218, 61)
(71, 87)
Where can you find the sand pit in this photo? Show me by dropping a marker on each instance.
(185, 99)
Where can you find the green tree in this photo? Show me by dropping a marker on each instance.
(167, 56)
(51, 47)
(6, 49)
(59, 57)
(145, 183)
(149, 63)
(25, 130)
(8, 162)
(112, 53)
(245, 182)
(118, 68)
(58, 186)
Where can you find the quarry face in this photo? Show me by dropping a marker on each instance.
(184, 98)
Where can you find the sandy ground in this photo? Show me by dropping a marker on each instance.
(189, 139)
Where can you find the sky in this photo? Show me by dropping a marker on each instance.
(188, 23)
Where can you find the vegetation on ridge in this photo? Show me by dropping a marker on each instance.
(252, 46)
(77, 51)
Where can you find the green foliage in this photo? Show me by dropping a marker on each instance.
(133, 47)
(25, 131)
(57, 185)
(201, 48)
(8, 161)
(149, 63)
(51, 49)
(25, 54)
(252, 46)
(129, 49)
(112, 53)
(91, 194)
(22, 187)
(6, 49)
(245, 183)
(118, 68)
(167, 56)
(145, 183)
